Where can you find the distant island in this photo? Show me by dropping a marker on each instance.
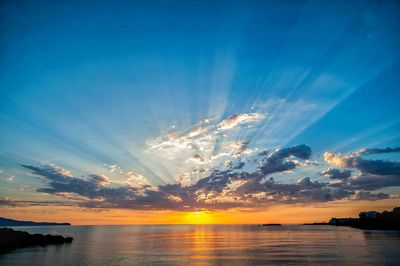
(11, 239)
(11, 222)
(372, 220)
(271, 225)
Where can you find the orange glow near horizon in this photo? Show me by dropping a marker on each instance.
(199, 217)
(285, 214)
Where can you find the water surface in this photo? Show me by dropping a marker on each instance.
(211, 245)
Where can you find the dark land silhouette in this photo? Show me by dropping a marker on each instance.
(372, 220)
(11, 239)
(11, 222)
(271, 225)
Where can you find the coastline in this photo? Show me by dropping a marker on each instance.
(11, 239)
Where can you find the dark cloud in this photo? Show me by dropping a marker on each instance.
(280, 160)
(355, 160)
(377, 150)
(209, 192)
(50, 172)
(373, 182)
(378, 167)
(220, 189)
(8, 202)
(334, 173)
(306, 182)
(178, 197)
(100, 179)
(366, 195)
(373, 174)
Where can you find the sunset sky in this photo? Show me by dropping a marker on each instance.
(142, 112)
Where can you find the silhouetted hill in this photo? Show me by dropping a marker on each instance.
(11, 239)
(11, 222)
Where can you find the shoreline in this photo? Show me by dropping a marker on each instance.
(11, 239)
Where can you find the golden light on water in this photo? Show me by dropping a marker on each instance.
(199, 217)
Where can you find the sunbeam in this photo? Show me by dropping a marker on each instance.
(198, 108)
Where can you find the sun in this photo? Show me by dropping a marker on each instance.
(199, 217)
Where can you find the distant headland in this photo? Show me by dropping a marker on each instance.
(372, 220)
(11, 222)
(11, 239)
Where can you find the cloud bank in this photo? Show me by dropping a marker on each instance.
(372, 174)
(235, 186)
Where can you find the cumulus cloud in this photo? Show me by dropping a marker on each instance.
(373, 182)
(210, 143)
(334, 173)
(237, 164)
(354, 160)
(306, 182)
(282, 159)
(100, 180)
(254, 181)
(366, 195)
(220, 189)
(238, 119)
(373, 174)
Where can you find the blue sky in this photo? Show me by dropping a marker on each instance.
(166, 92)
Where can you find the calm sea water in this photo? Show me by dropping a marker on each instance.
(212, 245)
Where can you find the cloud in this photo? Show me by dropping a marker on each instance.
(282, 159)
(100, 180)
(9, 202)
(373, 174)
(210, 144)
(366, 195)
(49, 171)
(354, 160)
(238, 119)
(237, 164)
(334, 173)
(306, 182)
(378, 151)
(373, 182)
(235, 184)
(221, 189)
(135, 179)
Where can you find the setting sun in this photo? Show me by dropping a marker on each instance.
(199, 217)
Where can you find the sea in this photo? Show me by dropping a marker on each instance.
(211, 245)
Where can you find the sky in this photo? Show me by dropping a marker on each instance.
(125, 112)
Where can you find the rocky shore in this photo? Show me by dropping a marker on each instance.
(11, 239)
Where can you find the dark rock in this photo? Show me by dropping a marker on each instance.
(11, 239)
